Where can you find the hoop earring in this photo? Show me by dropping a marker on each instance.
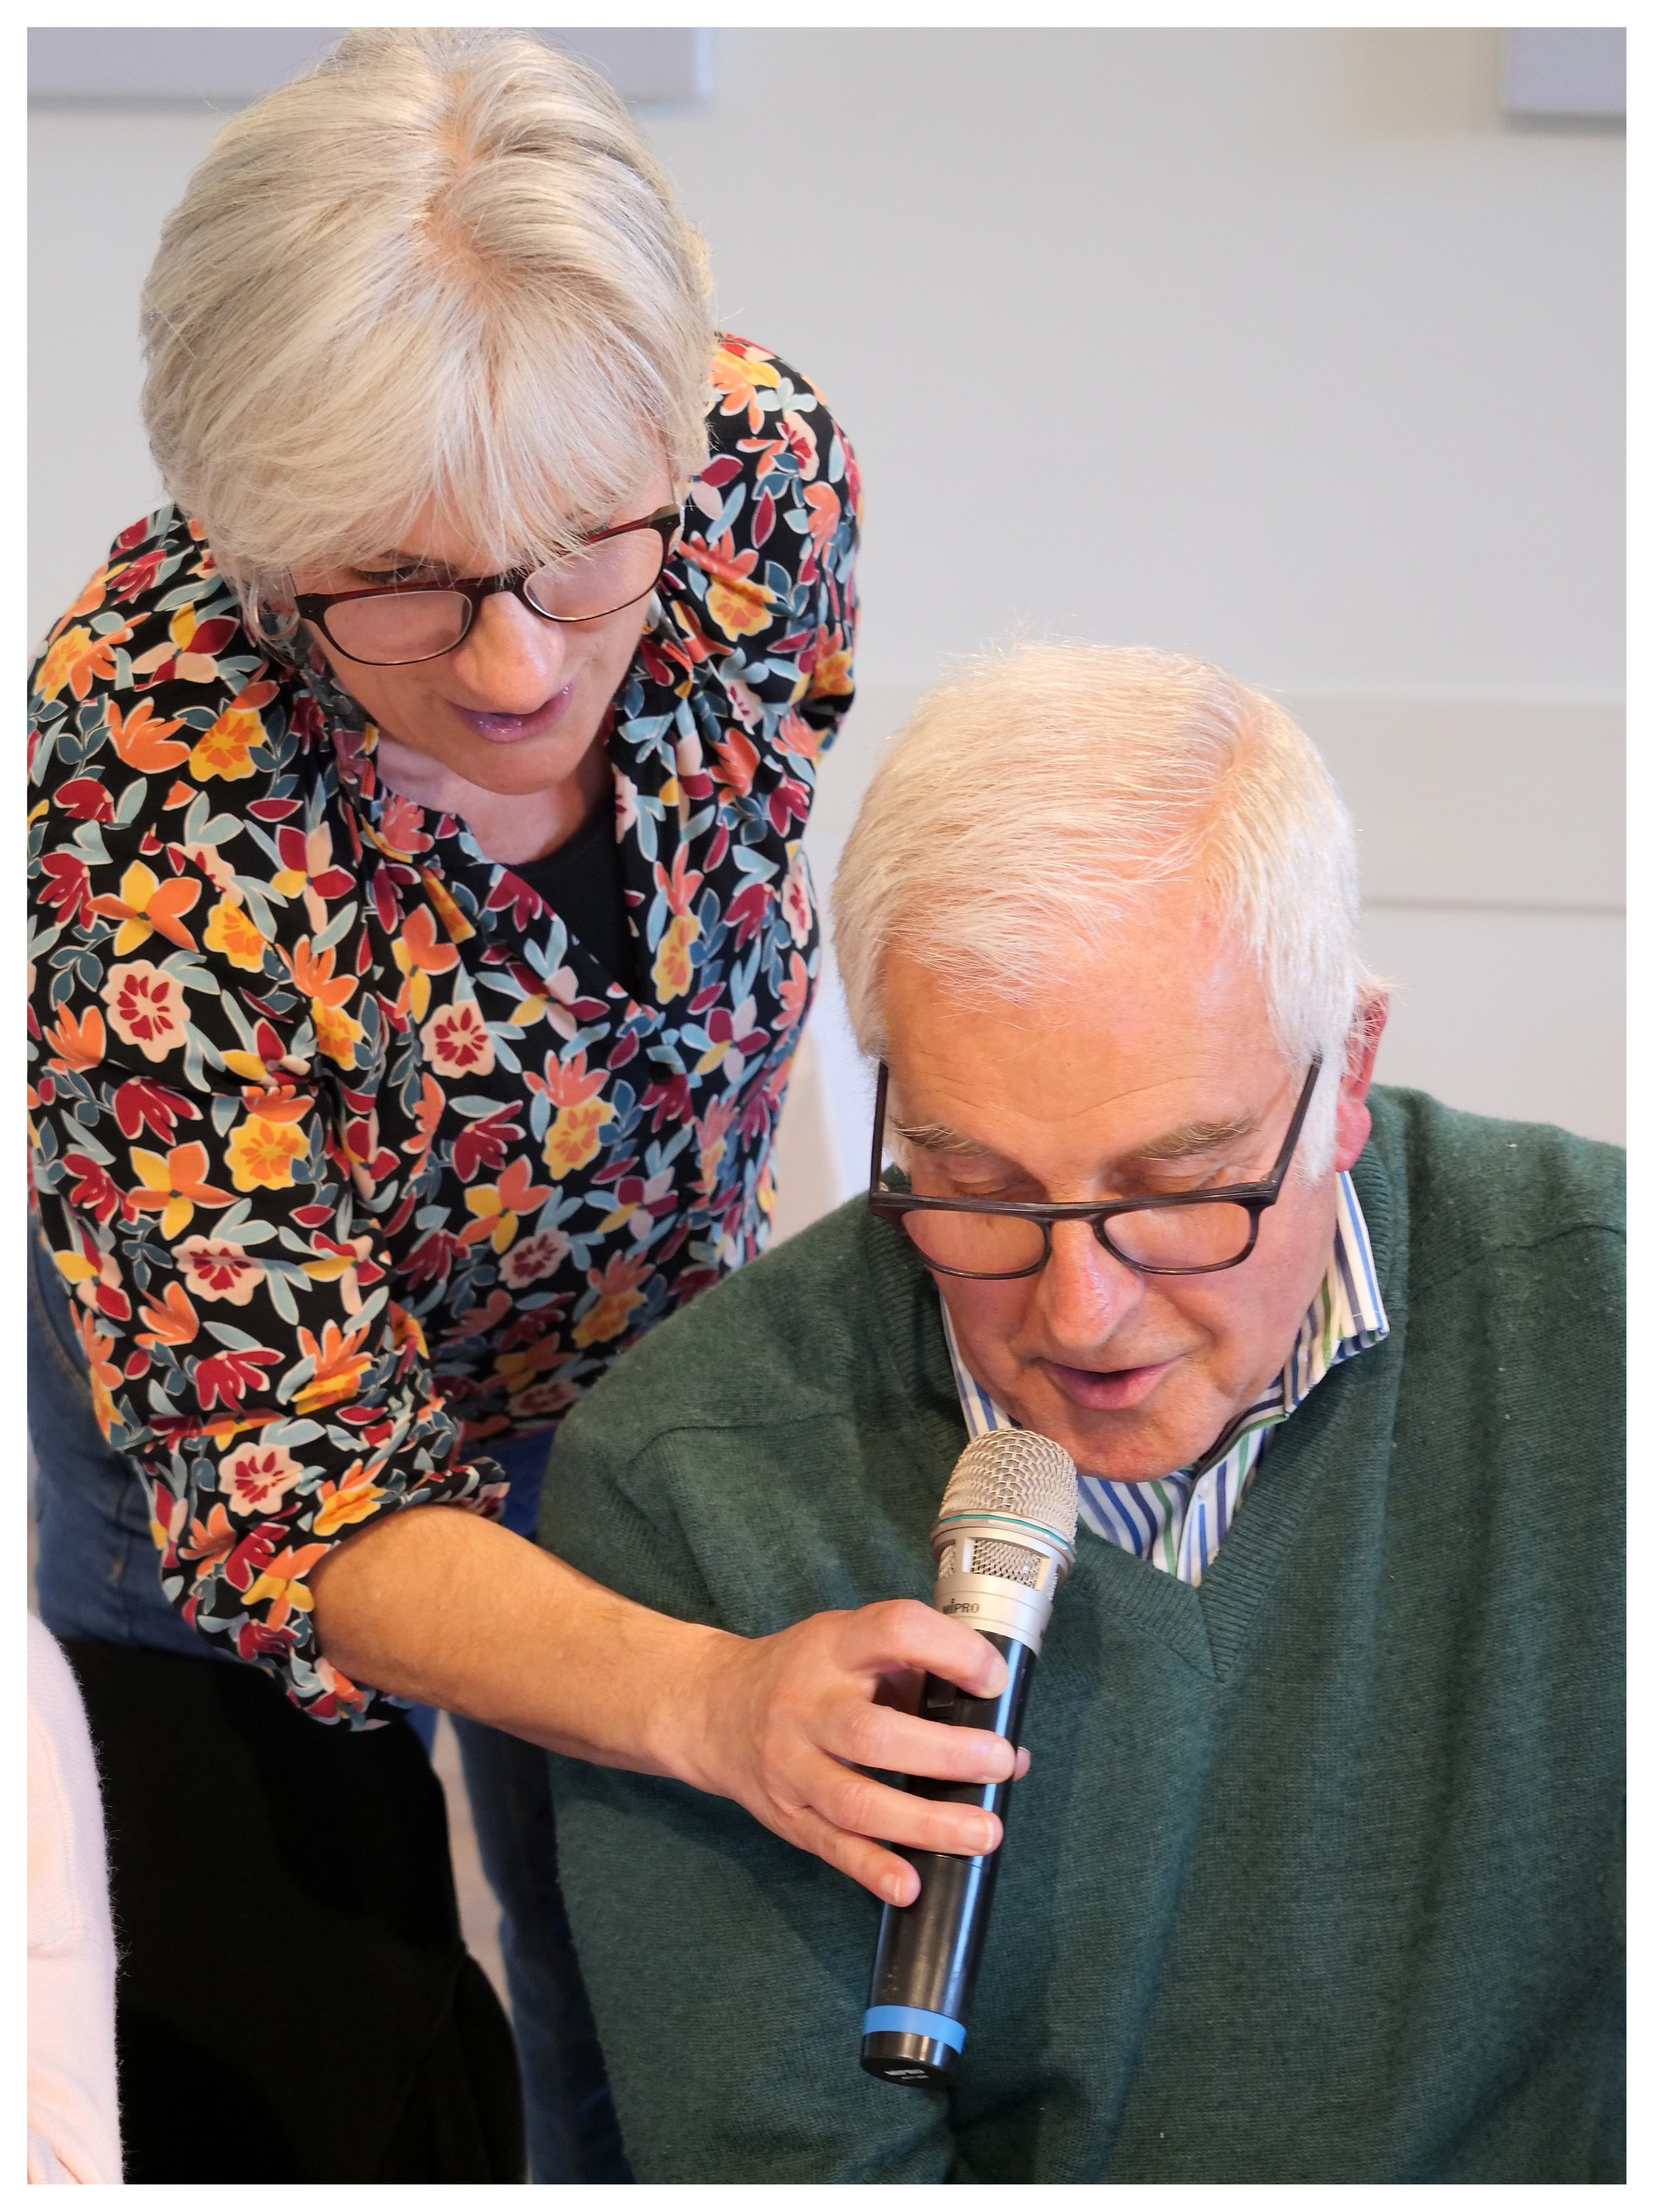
(276, 623)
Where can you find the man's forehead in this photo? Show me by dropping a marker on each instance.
(1158, 1076)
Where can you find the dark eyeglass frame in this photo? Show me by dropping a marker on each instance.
(315, 606)
(1256, 1197)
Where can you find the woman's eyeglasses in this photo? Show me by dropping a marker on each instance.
(390, 625)
(1194, 1232)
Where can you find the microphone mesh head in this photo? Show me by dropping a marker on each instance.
(1014, 1471)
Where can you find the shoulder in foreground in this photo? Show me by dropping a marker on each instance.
(1474, 1182)
(785, 1331)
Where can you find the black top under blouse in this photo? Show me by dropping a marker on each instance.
(580, 881)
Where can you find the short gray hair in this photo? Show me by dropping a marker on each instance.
(1029, 804)
(442, 267)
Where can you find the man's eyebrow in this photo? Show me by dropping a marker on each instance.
(1188, 1142)
(1195, 1138)
(936, 1137)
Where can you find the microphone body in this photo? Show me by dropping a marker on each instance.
(1003, 1543)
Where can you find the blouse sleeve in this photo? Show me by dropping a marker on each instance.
(762, 594)
(196, 991)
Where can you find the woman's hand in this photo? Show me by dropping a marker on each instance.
(784, 1724)
(450, 1610)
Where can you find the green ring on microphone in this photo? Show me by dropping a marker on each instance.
(908, 2019)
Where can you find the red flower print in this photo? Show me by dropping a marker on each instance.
(146, 1008)
(140, 1104)
(66, 887)
(226, 1377)
(458, 1041)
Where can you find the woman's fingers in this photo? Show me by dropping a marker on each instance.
(838, 1814)
(791, 1727)
(891, 1879)
(900, 1743)
(900, 1633)
(862, 1807)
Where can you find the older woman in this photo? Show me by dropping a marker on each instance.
(421, 939)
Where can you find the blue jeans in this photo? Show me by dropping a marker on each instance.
(98, 1575)
(573, 2133)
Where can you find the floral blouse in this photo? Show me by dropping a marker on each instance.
(350, 1156)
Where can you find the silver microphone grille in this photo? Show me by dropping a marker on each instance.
(1014, 1471)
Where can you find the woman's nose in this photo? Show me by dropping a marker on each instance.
(511, 659)
(1084, 1290)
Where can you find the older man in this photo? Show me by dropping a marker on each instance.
(1317, 1873)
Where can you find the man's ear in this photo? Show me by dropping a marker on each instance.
(1354, 1121)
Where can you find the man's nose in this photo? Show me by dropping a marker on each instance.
(1084, 1292)
(511, 659)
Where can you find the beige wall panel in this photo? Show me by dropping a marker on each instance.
(1521, 1015)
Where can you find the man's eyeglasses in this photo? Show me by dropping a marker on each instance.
(1185, 1232)
(390, 625)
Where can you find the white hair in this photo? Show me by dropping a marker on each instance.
(441, 271)
(1031, 806)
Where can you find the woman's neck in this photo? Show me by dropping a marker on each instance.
(509, 826)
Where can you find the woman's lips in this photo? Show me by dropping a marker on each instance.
(1110, 1393)
(512, 729)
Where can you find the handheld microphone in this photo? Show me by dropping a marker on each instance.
(1003, 1543)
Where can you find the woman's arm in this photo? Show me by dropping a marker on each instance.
(201, 1008)
(446, 1608)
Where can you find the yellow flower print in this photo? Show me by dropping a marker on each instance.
(620, 1297)
(145, 904)
(174, 1185)
(499, 1207)
(226, 750)
(738, 376)
(406, 1331)
(572, 1087)
(421, 954)
(338, 1034)
(740, 608)
(232, 931)
(830, 678)
(572, 1139)
(282, 1582)
(261, 1154)
(339, 1365)
(351, 1499)
(673, 970)
(80, 660)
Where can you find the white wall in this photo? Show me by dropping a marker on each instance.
(1277, 346)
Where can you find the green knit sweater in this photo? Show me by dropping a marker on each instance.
(1318, 1872)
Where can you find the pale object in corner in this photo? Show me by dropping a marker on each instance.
(74, 2121)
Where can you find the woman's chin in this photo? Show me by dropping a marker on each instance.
(510, 771)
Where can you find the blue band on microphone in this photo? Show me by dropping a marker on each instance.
(898, 2020)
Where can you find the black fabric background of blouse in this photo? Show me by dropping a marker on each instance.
(580, 881)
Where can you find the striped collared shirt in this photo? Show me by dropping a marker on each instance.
(1178, 1521)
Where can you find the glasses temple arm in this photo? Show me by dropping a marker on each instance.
(874, 1169)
